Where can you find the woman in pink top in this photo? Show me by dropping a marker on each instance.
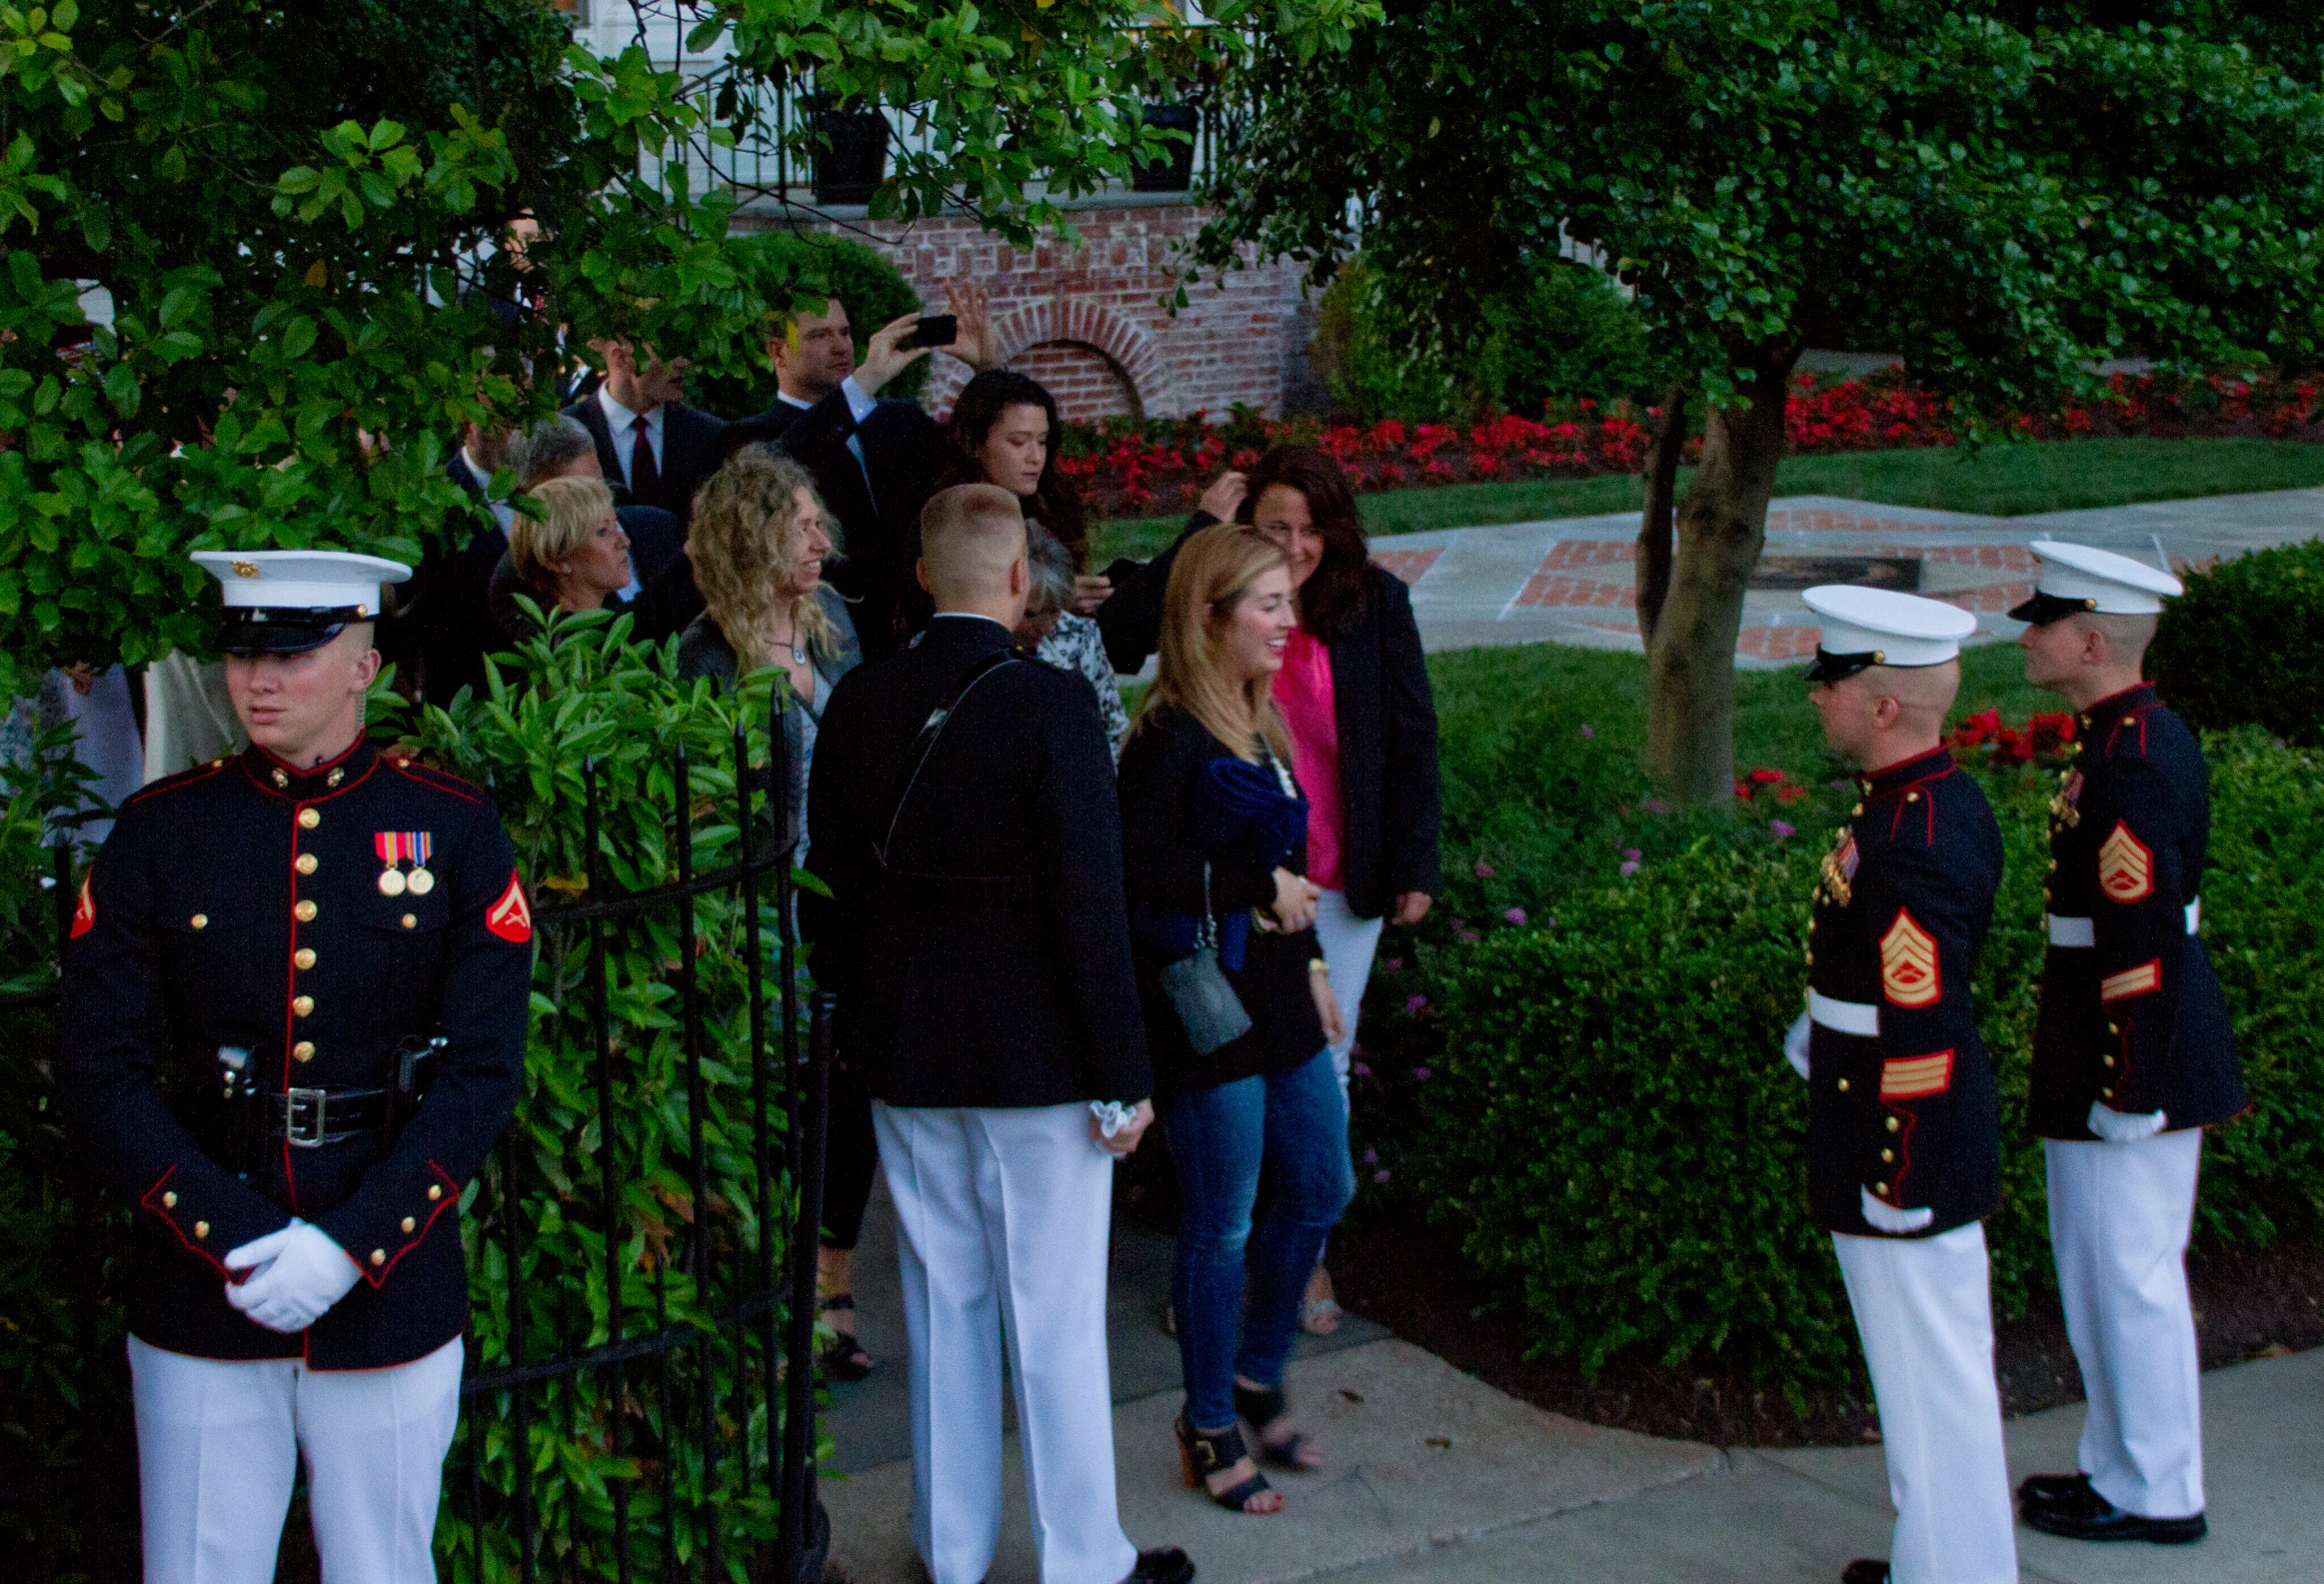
(1353, 689)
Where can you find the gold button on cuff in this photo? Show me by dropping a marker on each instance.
(169, 1200)
(1881, 1187)
(304, 957)
(303, 1005)
(201, 1228)
(200, 920)
(1843, 1085)
(409, 1223)
(435, 1190)
(307, 863)
(379, 1256)
(309, 818)
(304, 912)
(304, 1051)
(410, 920)
(2107, 1093)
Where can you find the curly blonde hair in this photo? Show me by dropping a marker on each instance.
(745, 547)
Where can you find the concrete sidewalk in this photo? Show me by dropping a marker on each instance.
(1438, 1478)
(1573, 580)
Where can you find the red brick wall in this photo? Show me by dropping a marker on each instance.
(1089, 322)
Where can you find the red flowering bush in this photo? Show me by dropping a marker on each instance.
(1130, 466)
(1983, 739)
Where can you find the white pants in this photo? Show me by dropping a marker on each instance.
(1002, 1232)
(2119, 1215)
(1926, 1317)
(1347, 942)
(216, 1447)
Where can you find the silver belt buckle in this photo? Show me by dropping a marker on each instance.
(303, 1118)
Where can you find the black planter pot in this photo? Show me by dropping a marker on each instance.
(848, 171)
(1175, 174)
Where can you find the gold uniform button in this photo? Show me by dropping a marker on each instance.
(435, 1190)
(169, 1200)
(1912, 798)
(1859, 809)
(409, 1223)
(2114, 1028)
(304, 1051)
(2108, 1094)
(1881, 1189)
(1843, 1085)
(201, 1228)
(379, 1256)
(303, 1005)
(304, 912)
(309, 818)
(410, 920)
(2110, 1060)
(1895, 1124)
(2130, 720)
(200, 920)
(1888, 1154)
(282, 783)
(304, 957)
(307, 863)
(2054, 868)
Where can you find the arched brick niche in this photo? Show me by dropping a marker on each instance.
(1088, 384)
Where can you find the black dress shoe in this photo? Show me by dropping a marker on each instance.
(1866, 1570)
(2086, 1515)
(1162, 1565)
(2044, 1490)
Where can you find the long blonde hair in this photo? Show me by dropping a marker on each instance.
(1213, 569)
(744, 544)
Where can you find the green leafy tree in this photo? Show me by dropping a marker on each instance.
(2004, 192)
(300, 222)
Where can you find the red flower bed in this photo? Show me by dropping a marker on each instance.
(1128, 467)
(2046, 737)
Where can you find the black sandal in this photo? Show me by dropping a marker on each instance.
(1262, 1407)
(1204, 1453)
(843, 1359)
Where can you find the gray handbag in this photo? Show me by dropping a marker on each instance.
(1208, 1008)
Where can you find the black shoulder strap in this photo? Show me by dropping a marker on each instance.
(930, 730)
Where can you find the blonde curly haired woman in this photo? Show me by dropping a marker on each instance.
(759, 544)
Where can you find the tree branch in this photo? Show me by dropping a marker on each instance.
(1654, 526)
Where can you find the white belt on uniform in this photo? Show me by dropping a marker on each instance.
(1846, 1017)
(2084, 932)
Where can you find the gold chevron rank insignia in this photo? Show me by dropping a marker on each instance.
(2132, 981)
(1908, 962)
(1910, 1077)
(2125, 867)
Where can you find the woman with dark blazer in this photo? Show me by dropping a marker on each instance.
(1355, 691)
(1210, 741)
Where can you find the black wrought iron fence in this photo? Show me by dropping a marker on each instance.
(640, 1400)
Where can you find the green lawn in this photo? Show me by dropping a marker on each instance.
(2000, 481)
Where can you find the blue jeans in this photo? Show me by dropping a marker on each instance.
(1297, 1124)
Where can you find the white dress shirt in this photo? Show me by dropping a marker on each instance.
(620, 422)
(503, 513)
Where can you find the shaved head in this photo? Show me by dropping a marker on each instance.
(971, 546)
(2126, 636)
(1922, 692)
(1888, 713)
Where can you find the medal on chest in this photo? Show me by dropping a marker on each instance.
(2065, 808)
(1840, 867)
(394, 848)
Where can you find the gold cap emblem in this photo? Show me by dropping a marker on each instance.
(246, 568)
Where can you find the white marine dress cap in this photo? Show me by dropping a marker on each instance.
(285, 602)
(2079, 578)
(1863, 628)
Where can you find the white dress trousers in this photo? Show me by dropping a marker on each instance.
(217, 1447)
(1349, 944)
(1925, 1313)
(2119, 1216)
(1002, 1220)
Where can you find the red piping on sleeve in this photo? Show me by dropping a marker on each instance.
(451, 1199)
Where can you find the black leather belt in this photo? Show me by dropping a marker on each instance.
(311, 1119)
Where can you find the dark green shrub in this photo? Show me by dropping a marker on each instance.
(782, 265)
(2245, 642)
(1570, 334)
(1608, 1124)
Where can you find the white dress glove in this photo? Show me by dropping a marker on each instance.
(296, 1274)
(1889, 1218)
(1795, 1046)
(2125, 1127)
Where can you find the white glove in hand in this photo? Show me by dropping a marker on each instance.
(296, 1274)
(1795, 1046)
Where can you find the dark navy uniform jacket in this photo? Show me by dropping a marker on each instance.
(2132, 1016)
(1902, 1104)
(239, 904)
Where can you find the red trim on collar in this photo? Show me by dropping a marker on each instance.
(254, 756)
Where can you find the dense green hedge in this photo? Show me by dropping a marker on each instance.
(1611, 1128)
(2245, 644)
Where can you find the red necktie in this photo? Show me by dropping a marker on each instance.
(645, 478)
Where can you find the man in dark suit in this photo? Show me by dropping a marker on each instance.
(980, 946)
(649, 442)
(874, 463)
(450, 628)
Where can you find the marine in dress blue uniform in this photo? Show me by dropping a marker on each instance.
(1904, 1131)
(2134, 1052)
(295, 1000)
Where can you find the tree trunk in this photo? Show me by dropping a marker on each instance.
(1721, 523)
(1662, 456)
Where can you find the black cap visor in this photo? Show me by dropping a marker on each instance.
(2043, 608)
(1828, 666)
(271, 630)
